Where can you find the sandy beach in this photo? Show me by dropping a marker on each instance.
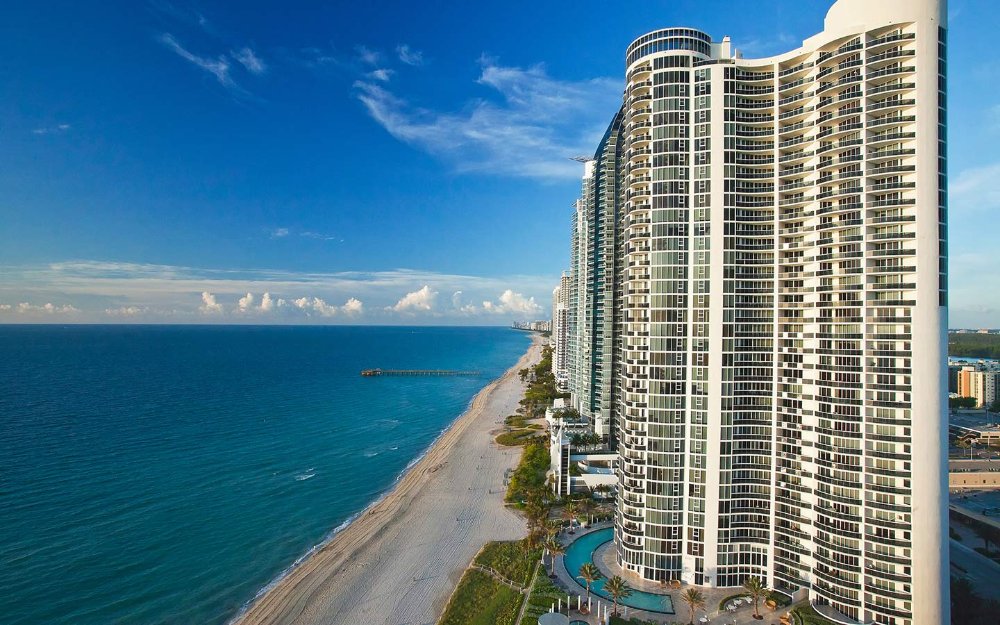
(398, 563)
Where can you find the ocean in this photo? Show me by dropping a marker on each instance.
(166, 474)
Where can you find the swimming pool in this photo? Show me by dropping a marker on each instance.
(582, 551)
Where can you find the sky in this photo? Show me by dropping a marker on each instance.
(373, 162)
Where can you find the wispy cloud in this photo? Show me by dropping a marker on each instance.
(284, 232)
(126, 311)
(218, 67)
(381, 74)
(368, 56)
(51, 130)
(410, 56)
(250, 61)
(975, 189)
(530, 127)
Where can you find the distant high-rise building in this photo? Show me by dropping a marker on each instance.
(560, 332)
(982, 385)
(760, 308)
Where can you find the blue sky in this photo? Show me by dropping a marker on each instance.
(359, 162)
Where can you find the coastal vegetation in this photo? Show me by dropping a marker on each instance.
(492, 590)
(480, 599)
(971, 345)
(544, 594)
(528, 478)
(513, 560)
(541, 391)
(519, 431)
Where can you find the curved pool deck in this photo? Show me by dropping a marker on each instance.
(581, 551)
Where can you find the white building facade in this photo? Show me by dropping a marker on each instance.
(783, 310)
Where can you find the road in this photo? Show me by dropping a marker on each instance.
(980, 570)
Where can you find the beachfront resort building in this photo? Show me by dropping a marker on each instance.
(760, 310)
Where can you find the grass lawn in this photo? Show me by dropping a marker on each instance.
(481, 600)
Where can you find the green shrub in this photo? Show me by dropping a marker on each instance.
(806, 615)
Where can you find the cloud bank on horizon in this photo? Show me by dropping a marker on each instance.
(94, 291)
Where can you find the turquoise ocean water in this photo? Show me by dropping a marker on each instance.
(168, 474)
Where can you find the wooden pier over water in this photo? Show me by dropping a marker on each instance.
(370, 373)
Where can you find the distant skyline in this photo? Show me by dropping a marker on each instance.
(189, 162)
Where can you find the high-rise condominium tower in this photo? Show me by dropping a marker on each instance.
(778, 311)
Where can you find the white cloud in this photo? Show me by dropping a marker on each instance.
(6, 307)
(530, 127)
(51, 130)
(208, 304)
(419, 300)
(48, 308)
(367, 56)
(976, 189)
(516, 303)
(218, 67)
(319, 306)
(266, 303)
(245, 303)
(250, 61)
(381, 74)
(125, 311)
(279, 233)
(410, 56)
(353, 306)
(323, 308)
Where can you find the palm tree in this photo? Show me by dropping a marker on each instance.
(694, 600)
(589, 573)
(757, 591)
(552, 527)
(555, 548)
(569, 513)
(618, 589)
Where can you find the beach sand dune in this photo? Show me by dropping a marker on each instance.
(398, 563)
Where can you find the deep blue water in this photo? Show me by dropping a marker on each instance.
(166, 474)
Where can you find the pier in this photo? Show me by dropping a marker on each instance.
(370, 373)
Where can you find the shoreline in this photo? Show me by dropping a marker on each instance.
(348, 573)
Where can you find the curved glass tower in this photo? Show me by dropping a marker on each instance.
(781, 313)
